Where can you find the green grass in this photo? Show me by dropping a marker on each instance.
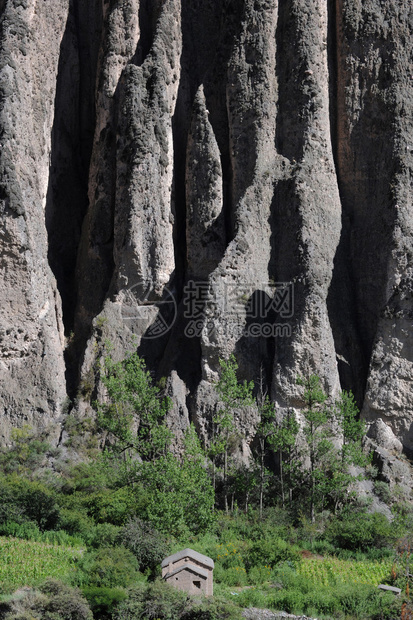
(28, 563)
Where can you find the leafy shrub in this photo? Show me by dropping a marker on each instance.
(230, 554)
(64, 602)
(360, 532)
(53, 601)
(300, 596)
(108, 567)
(26, 453)
(382, 490)
(147, 544)
(160, 601)
(212, 609)
(76, 522)
(103, 601)
(291, 601)
(259, 574)
(27, 500)
(27, 530)
(110, 506)
(232, 576)
(104, 535)
(30, 531)
(269, 552)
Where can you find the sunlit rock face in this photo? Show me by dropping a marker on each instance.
(195, 178)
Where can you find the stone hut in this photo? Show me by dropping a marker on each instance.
(189, 571)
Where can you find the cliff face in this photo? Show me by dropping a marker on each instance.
(201, 177)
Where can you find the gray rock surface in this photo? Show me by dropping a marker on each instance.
(237, 145)
(265, 614)
(382, 434)
(32, 371)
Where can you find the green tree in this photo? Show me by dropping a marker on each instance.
(134, 414)
(178, 493)
(147, 544)
(316, 432)
(266, 430)
(244, 478)
(352, 428)
(283, 441)
(329, 474)
(233, 395)
(181, 496)
(273, 433)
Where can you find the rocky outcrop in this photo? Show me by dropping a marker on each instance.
(32, 371)
(196, 178)
(375, 95)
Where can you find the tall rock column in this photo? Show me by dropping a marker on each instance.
(32, 372)
(307, 208)
(375, 170)
(128, 246)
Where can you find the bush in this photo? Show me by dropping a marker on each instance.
(259, 574)
(345, 600)
(212, 609)
(103, 601)
(110, 506)
(360, 531)
(382, 490)
(232, 576)
(27, 530)
(53, 601)
(26, 500)
(104, 535)
(109, 568)
(30, 531)
(64, 603)
(160, 601)
(77, 523)
(269, 552)
(146, 543)
(26, 453)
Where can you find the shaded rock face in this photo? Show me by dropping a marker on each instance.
(195, 178)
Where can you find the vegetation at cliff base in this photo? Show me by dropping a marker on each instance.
(83, 539)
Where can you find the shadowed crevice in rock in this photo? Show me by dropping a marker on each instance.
(180, 126)
(72, 141)
(341, 299)
(149, 11)
(290, 74)
(366, 166)
(256, 352)
(208, 33)
(342, 310)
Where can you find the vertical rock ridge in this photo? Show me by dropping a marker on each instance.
(32, 382)
(375, 170)
(205, 226)
(148, 143)
(310, 197)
